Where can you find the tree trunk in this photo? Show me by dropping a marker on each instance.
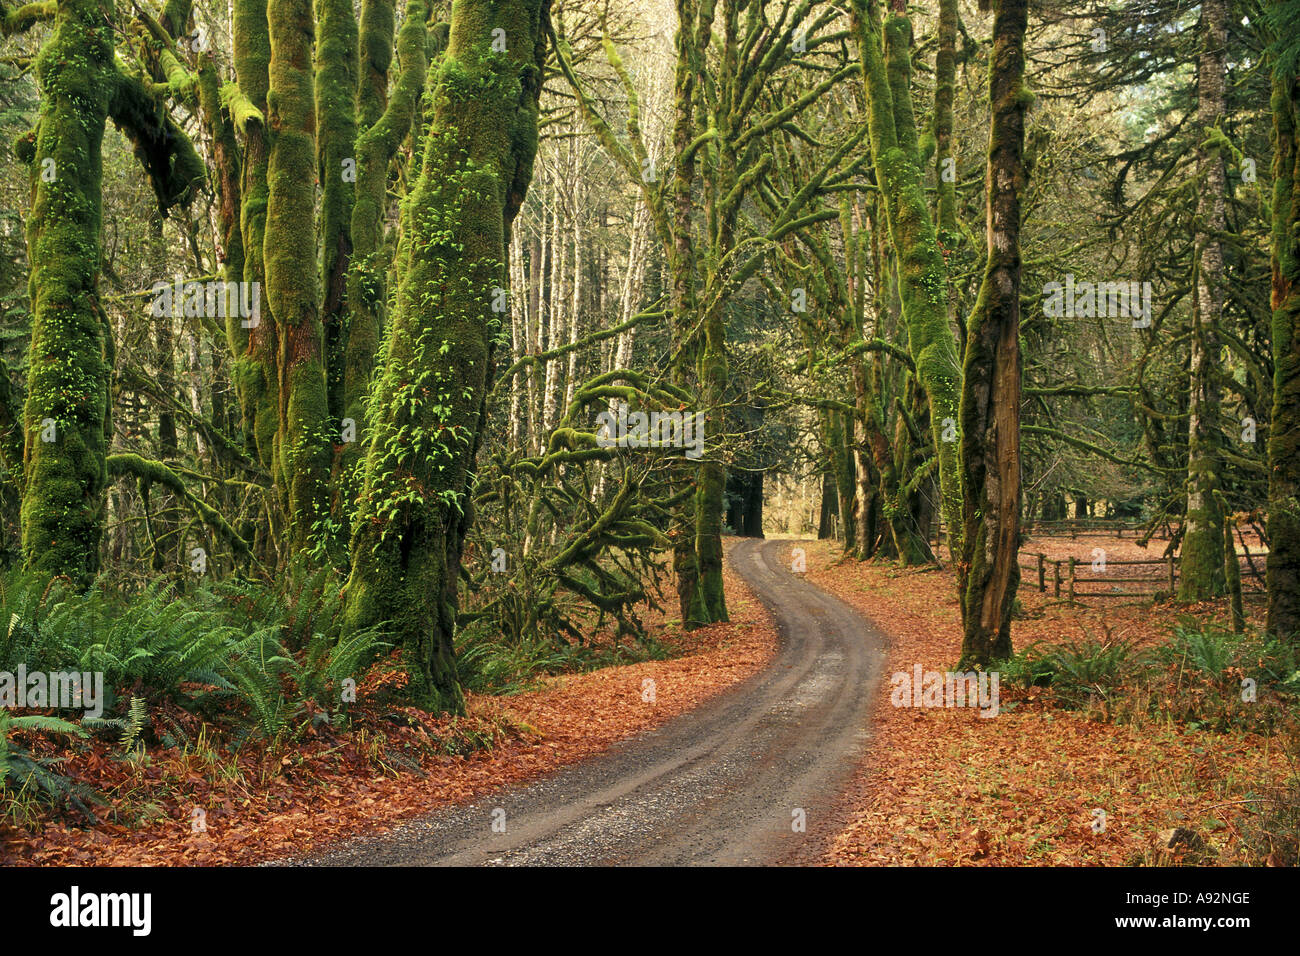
(65, 421)
(829, 507)
(554, 312)
(922, 274)
(987, 570)
(753, 513)
(385, 123)
(302, 443)
(1200, 563)
(429, 408)
(680, 254)
(945, 72)
(336, 128)
(1283, 569)
(518, 340)
(254, 367)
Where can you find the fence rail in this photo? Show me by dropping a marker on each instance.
(1076, 526)
(1070, 579)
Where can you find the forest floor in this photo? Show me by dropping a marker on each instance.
(1042, 784)
(688, 773)
(391, 764)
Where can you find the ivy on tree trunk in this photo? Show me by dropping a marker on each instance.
(428, 404)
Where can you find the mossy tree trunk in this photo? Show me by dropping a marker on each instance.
(679, 244)
(302, 444)
(1283, 568)
(255, 347)
(428, 410)
(886, 66)
(383, 122)
(712, 369)
(67, 410)
(66, 416)
(226, 157)
(1200, 563)
(836, 437)
(945, 73)
(336, 133)
(988, 572)
(911, 483)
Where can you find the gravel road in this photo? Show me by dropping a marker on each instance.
(725, 784)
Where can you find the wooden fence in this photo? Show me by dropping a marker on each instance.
(1066, 577)
(1077, 526)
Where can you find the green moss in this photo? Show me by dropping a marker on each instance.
(922, 273)
(376, 146)
(69, 366)
(427, 402)
(336, 131)
(256, 379)
(301, 458)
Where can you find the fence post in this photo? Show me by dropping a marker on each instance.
(1056, 578)
(1072, 580)
(1042, 572)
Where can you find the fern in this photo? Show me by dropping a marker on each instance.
(136, 721)
(269, 650)
(19, 770)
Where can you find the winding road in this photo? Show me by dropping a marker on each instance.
(729, 783)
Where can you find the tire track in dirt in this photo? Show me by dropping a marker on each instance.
(721, 785)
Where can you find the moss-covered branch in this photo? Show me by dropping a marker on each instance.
(157, 472)
(166, 153)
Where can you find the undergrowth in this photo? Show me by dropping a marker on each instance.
(265, 664)
(1204, 679)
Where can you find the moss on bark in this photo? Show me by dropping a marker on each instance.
(427, 405)
(1283, 569)
(67, 407)
(336, 126)
(1200, 562)
(988, 572)
(254, 367)
(302, 442)
(922, 273)
(385, 123)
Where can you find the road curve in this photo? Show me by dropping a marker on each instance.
(724, 784)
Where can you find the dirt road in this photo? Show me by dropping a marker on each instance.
(729, 783)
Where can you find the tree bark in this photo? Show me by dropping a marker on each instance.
(384, 123)
(255, 365)
(1283, 567)
(923, 279)
(68, 406)
(67, 411)
(987, 571)
(1200, 563)
(428, 412)
(303, 440)
(335, 94)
